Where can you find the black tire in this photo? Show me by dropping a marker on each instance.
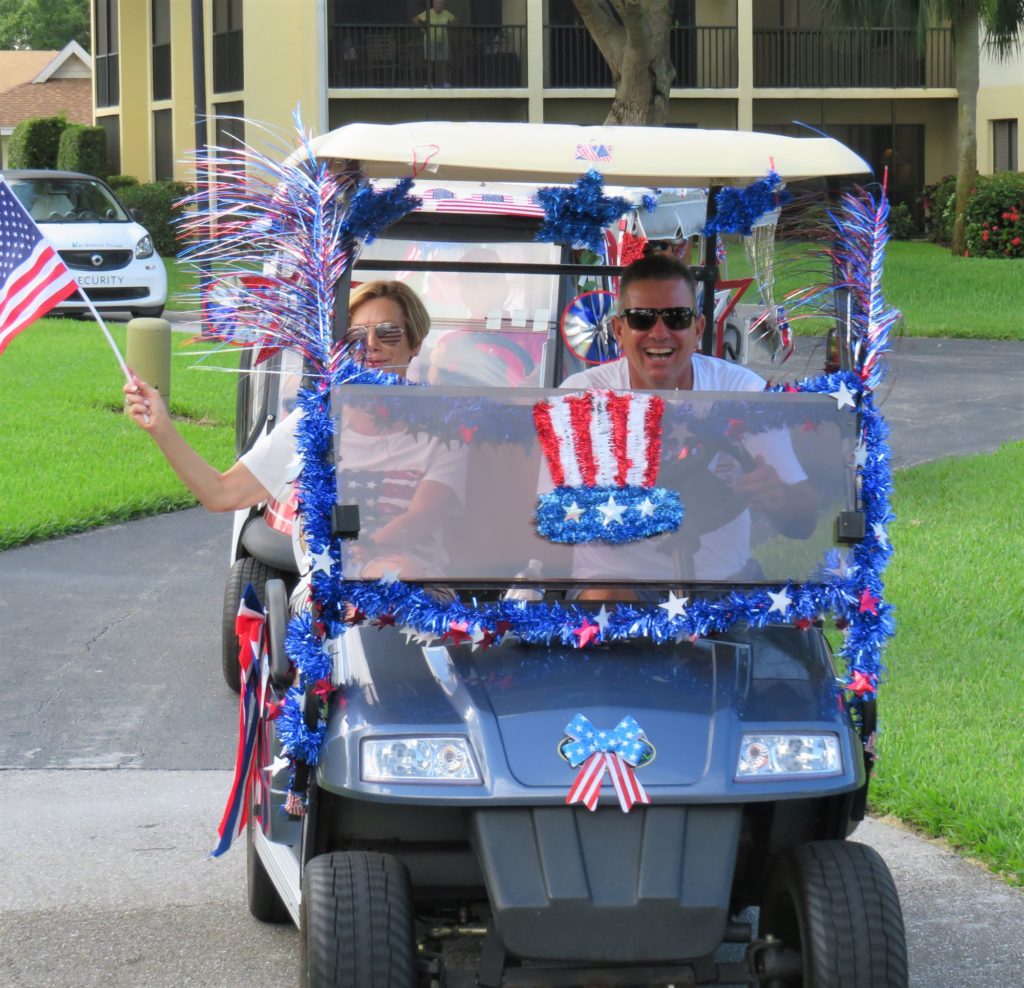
(835, 904)
(153, 312)
(242, 573)
(264, 902)
(356, 928)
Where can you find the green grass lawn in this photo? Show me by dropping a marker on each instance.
(180, 282)
(952, 748)
(938, 294)
(71, 459)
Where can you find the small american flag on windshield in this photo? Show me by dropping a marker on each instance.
(441, 200)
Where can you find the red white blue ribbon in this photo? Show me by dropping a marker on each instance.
(614, 753)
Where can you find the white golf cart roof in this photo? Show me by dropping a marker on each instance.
(560, 153)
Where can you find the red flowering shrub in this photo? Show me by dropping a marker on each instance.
(995, 216)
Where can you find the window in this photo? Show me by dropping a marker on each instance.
(228, 67)
(160, 20)
(163, 145)
(229, 127)
(105, 62)
(1004, 145)
(112, 128)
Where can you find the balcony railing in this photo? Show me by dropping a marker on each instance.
(383, 56)
(823, 58)
(704, 58)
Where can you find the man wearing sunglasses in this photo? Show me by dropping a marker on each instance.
(659, 330)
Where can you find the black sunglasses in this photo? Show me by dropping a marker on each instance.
(676, 317)
(387, 333)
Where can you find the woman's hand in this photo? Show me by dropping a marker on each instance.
(146, 405)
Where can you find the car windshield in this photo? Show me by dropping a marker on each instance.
(68, 200)
(590, 488)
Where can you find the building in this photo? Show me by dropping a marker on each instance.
(747, 64)
(43, 84)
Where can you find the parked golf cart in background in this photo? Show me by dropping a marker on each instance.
(435, 811)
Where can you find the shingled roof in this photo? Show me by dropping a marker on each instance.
(22, 97)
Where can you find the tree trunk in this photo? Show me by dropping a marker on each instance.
(633, 37)
(967, 70)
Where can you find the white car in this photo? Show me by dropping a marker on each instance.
(111, 256)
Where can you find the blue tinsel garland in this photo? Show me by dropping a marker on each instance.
(578, 214)
(576, 515)
(738, 210)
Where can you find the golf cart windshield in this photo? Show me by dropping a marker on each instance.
(579, 488)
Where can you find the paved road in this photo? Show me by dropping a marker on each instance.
(110, 661)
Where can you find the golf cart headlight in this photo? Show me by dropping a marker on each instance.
(786, 755)
(413, 759)
(144, 248)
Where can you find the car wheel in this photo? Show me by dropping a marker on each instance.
(153, 312)
(244, 571)
(356, 925)
(264, 902)
(834, 905)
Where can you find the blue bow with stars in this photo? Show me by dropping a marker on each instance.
(627, 739)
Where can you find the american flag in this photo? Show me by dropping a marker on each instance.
(33, 278)
(594, 152)
(441, 200)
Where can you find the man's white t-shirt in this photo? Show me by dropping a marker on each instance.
(724, 551)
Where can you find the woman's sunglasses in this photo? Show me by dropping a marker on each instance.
(386, 333)
(677, 317)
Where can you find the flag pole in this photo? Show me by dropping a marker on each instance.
(128, 376)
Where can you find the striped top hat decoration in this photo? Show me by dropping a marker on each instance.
(603, 449)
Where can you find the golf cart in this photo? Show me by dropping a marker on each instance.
(421, 732)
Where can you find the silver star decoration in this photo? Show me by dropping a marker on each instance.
(675, 606)
(320, 562)
(278, 763)
(860, 456)
(574, 512)
(611, 511)
(411, 634)
(390, 576)
(601, 619)
(879, 529)
(844, 396)
(646, 508)
(781, 601)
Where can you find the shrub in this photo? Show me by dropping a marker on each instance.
(938, 204)
(122, 181)
(83, 149)
(157, 203)
(901, 222)
(995, 221)
(35, 142)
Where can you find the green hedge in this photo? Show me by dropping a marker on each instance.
(35, 142)
(157, 204)
(83, 149)
(938, 205)
(122, 181)
(995, 222)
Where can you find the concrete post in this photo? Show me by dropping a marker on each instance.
(148, 353)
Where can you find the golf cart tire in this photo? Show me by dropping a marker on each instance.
(264, 902)
(835, 903)
(243, 572)
(356, 922)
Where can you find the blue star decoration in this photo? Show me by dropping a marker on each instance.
(578, 214)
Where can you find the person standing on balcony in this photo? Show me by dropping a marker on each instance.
(434, 23)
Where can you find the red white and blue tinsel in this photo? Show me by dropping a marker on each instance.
(603, 450)
(310, 215)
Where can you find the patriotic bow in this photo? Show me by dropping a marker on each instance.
(616, 752)
(250, 625)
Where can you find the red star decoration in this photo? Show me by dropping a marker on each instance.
(322, 688)
(868, 602)
(804, 623)
(861, 684)
(356, 617)
(790, 389)
(503, 628)
(735, 428)
(809, 426)
(458, 632)
(487, 638)
(385, 621)
(274, 708)
(467, 432)
(586, 633)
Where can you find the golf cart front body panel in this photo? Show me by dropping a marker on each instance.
(554, 895)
